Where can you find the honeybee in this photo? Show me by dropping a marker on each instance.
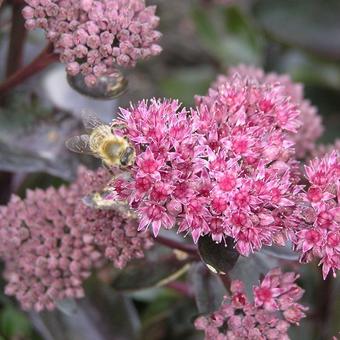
(100, 200)
(103, 143)
(105, 200)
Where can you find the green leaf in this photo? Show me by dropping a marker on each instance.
(185, 83)
(219, 257)
(13, 323)
(229, 35)
(233, 51)
(161, 304)
(313, 25)
(240, 25)
(146, 274)
(310, 70)
(204, 26)
(208, 288)
(168, 317)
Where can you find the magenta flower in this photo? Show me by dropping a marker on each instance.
(155, 216)
(93, 36)
(311, 128)
(319, 235)
(50, 241)
(222, 169)
(269, 317)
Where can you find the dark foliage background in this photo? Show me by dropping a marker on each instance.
(200, 40)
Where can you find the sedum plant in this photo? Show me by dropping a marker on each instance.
(223, 202)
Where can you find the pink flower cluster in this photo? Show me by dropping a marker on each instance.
(319, 236)
(93, 36)
(274, 309)
(47, 259)
(311, 128)
(50, 242)
(223, 169)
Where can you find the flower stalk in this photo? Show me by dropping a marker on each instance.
(17, 40)
(44, 59)
(187, 248)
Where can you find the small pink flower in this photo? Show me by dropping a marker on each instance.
(267, 318)
(156, 216)
(148, 164)
(227, 182)
(294, 314)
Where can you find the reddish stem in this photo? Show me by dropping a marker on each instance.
(14, 60)
(45, 58)
(17, 41)
(187, 248)
(181, 287)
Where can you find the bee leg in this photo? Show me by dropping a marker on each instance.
(107, 167)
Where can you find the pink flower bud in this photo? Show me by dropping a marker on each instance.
(73, 68)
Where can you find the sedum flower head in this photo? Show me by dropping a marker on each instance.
(50, 258)
(311, 128)
(319, 235)
(244, 127)
(222, 169)
(92, 36)
(274, 309)
(50, 241)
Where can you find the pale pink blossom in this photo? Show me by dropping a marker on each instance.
(50, 241)
(93, 37)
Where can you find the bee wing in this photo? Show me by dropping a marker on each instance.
(101, 200)
(124, 209)
(79, 144)
(90, 120)
(107, 167)
(117, 124)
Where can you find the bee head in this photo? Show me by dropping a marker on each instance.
(127, 157)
